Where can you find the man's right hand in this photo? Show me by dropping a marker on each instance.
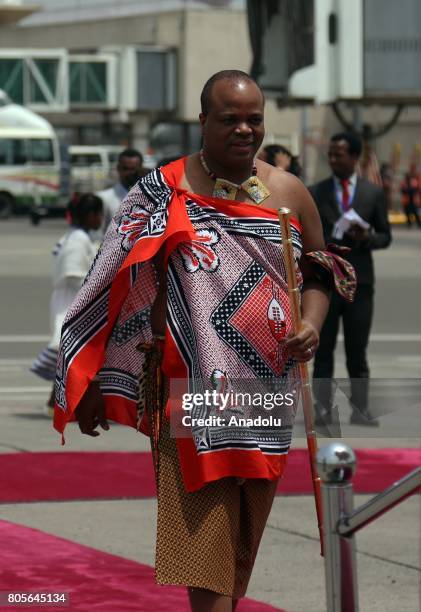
(358, 233)
(91, 411)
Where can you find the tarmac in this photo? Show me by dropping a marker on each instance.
(289, 572)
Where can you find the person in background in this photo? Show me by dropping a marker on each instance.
(387, 177)
(280, 157)
(73, 256)
(410, 194)
(129, 169)
(354, 214)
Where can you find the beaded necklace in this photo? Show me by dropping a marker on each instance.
(227, 190)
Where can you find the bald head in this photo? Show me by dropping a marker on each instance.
(232, 123)
(232, 78)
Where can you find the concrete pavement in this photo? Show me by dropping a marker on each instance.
(289, 570)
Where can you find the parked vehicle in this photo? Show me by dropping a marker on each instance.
(92, 168)
(29, 160)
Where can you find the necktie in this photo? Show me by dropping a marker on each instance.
(345, 195)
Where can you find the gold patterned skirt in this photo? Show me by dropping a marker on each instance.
(209, 538)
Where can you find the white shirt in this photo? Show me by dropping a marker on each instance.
(352, 184)
(73, 256)
(111, 199)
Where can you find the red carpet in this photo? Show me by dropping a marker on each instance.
(35, 561)
(63, 476)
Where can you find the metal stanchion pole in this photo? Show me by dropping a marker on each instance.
(336, 466)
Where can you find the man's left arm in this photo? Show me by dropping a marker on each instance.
(315, 296)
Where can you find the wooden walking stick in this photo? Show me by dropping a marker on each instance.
(294, 300)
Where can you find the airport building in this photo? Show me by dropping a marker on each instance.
(131, 72)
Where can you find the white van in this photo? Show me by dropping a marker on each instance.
(29, 160)
(92, 168)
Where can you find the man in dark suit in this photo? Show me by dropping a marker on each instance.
(346, 194)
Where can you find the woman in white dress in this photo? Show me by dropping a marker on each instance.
(73, 257)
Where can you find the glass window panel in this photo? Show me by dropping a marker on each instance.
(6, 147)
(113, 158)
(19, 152)
(88, 82)
(85, 159)
(11, 79)
(49, 70)
(42, 151)
(151, 79)
(75, 73)
(35, 92)
(96, 82)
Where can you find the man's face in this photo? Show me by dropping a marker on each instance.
(129, 171)
(94, 220)
(233, 129)
(340, 159)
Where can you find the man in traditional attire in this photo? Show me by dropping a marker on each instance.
(190, 286)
